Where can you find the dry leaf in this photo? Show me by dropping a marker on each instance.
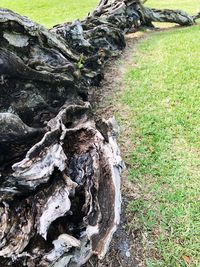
(186, 259)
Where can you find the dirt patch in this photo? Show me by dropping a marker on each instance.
(128, 246)
(114, 74)
(126, 249)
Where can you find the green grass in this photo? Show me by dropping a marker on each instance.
(51, 12)
(187, 5)
(163, 98)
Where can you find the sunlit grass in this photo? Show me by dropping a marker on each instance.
(51, 12)
(189, 6)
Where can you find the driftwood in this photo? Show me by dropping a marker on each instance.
(59, 166)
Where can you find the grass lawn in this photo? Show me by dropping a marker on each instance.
(162, 95)
(187, 5)
(51, 12)
(162, 99)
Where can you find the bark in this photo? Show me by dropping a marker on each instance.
(167, 15)
(60, 166)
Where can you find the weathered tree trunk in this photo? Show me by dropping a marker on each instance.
(167, 15)
(59, 166)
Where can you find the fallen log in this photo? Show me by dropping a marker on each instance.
(60, 167)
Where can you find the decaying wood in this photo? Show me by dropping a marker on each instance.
(60, 167)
